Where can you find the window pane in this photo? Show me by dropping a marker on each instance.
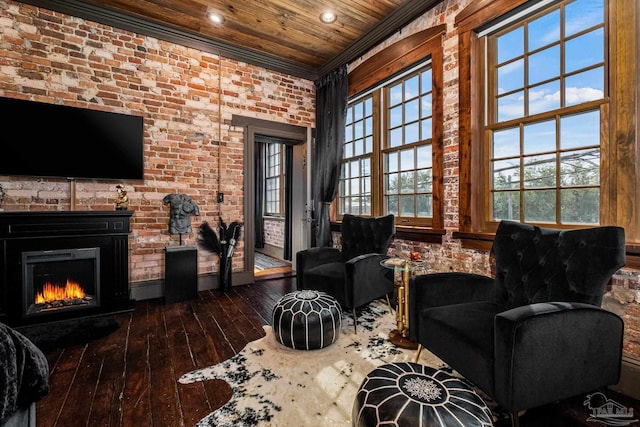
(424, 157)
(545, 97)
(395, 116)
(368, 107)
(511, 76)
(406, 160)
(411, 89)
(406, 206)
(511, 45)
(426, 105)
(584, 51)
(392, 205)
(540, 206)
(506, 143)
(426, 127)
(426, 79)
(358, 112)
(407, 182)
(506, 174)
(580, 205)
(544, 30)
(392, 162)
(395, 137)
(411, 111)
(539, 137)
(424, 181)
(584, 87)
(580, 168)
(424, 206)
(392, 184)
(544, 65)
(511, 106)
(412, 133)
(506, 205)
(580, 130)
(540, 171)
(582, 14)
(395, 94)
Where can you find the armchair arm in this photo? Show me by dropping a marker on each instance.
(437, 289)
(312, 257)
(551, 351)
(366, 279)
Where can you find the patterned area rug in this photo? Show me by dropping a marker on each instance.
(264, 262)
(276, 386)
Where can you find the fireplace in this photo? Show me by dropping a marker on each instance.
(59, 280)
(61, 265)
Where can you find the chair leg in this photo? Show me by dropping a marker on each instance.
(389, 303)
(418, 353)
(355, 321)
(515, 419)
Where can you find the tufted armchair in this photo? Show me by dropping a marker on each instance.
(535, 333)
(352, 275)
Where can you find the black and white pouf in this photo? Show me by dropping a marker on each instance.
(307, 320)
(405, 393)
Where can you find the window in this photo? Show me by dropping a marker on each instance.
(387, 159)
(274, 179)
(544, 101)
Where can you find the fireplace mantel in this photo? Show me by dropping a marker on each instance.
(35, 231)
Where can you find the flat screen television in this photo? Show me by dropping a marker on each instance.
(50, 140)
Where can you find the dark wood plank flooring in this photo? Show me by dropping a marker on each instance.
(129, 378)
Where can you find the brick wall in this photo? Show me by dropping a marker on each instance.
(274, 232)
(187, 98)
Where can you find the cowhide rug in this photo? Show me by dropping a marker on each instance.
(274, 385)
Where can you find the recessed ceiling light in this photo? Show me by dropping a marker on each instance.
(328, 17)
(216, 17)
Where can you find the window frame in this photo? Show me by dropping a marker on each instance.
(403, 55)
(618, 185)
(278, 176)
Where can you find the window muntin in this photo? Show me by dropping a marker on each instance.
(544, 117)
(273, 179)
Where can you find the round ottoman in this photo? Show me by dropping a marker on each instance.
(409, 394)
(307, 320)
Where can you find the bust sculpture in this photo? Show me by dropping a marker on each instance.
(182, 207)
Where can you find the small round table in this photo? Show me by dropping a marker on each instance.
(400, 336)
(405, 393)
(307, 320)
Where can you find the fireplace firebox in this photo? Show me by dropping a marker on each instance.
(62, 265)
(58, 280)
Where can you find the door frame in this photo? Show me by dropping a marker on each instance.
(300, 228)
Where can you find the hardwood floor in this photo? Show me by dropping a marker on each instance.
(129, 378)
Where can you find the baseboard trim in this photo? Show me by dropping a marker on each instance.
(151, 289)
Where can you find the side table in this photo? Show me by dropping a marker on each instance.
(400, 336)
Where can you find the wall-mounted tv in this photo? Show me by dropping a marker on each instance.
(49, 140)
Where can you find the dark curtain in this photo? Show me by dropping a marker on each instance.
(288, 188)
(259, 186)
(331, 110)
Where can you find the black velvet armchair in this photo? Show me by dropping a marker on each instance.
(535, 334)
(352, 275)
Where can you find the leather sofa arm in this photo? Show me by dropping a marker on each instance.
(312, 257)
(577, 346)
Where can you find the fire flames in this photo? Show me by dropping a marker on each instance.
(52, 292)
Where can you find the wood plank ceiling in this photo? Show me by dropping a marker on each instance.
(282, 35)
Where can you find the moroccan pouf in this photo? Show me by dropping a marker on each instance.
(409, 394)
(307, 320)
